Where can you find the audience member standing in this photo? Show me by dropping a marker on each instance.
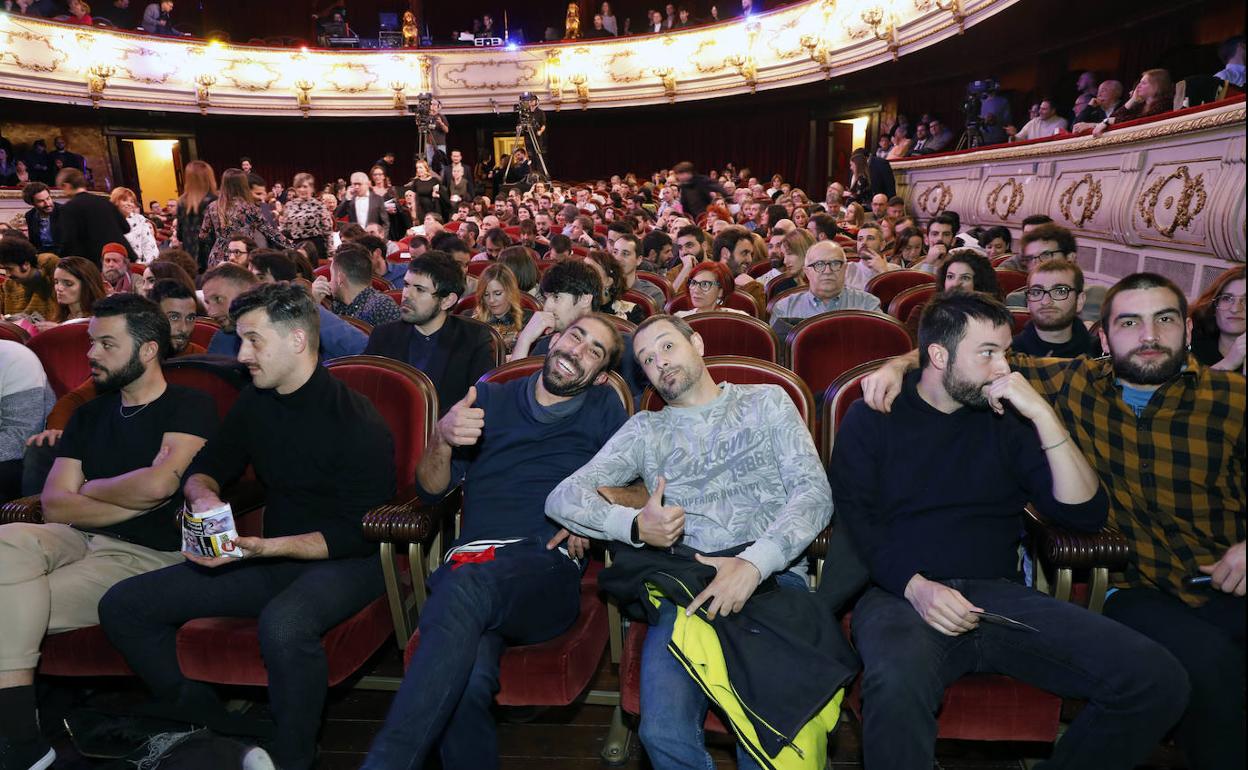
(88, 221)
(142, 234)
(304, 217)
(199, 191)
(236, 214)
(43, 221)
(362, 206)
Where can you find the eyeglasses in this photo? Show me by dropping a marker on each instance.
(1058, 293)
(236, 252)
(703, 285)
(1045, 256)
(1224, 301)
(826, 266)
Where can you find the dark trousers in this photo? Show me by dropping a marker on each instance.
(296, 602)
(1209, 642)
(1135, 689)
(526, 595)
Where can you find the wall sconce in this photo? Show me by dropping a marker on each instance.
(554, 82)
(665, 75)
(817, 49)
(400, 98)
(954, 7)
(203, 82)
(747, 68)
(97, 81)
(303, 98)
(883, 27)
(426, 74)
(578, 79)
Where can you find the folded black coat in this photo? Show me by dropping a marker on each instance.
(785, 653)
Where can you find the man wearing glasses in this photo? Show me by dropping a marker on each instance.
(825, 275)
(1042, 243)
(1055, 298)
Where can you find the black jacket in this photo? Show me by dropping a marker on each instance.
(376, 211)
(881, 177)
(785, 652)
(467, 346)
(695, 195)
(88, 223)
(32, 227)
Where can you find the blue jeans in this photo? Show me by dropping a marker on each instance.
(1135, 689)
(526, 595)
(673, 706)
(295, 602)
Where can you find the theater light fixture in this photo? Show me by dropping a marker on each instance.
(883, 26)
(304, 98)
(203, 82)
(664, 74)
(97, 80)
(954, 7)
(400, 98)
(580, 80)
(817, 48)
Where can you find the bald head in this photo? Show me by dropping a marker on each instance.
(879, 205)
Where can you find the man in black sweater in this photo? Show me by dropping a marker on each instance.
(451, 350)
(1055, 297)
(325, 457)
(977, 444)
(88, 222)
(695, 189)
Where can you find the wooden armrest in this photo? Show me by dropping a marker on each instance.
(23, 509)
(634, 495)
(1065, 548)
(411, 521)
(818, 547)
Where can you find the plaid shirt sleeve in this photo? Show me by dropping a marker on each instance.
(1175, 473)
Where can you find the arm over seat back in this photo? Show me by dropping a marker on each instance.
(907, 300)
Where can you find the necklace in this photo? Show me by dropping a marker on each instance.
(121, 410)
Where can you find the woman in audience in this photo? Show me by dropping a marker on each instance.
(1218, 323)
(997, 242)
(79, 13)
(21, 174)
(162, 270)
(236, 214)
(1153, 95)
(710, 285)
(968, 270)
(427, 187)
(613, 287)
(855, 215)
(78, 286)
(523, 265)
(901, 144)
(304, 218)
(498, 303)
(888, 233)
(142, 235)
(908, 248)
(457, 189)
(794, 248)
(199, 189)
(860, 181)
(801, 217)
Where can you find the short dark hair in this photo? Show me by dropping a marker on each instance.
(616, 354)
(942, 219)
(286, 305)
(355, 263)
(370, 242)
(695, 231)
(728, 238)
(1139, 281)
(523, 263)
(575, 278)
(945, 318)
(72, 177)
(31, 190)
(995, 232)
(560, 243)
(1064, 238)
(228, 271)
(351, 231)
(952, 217)
(440, 267)
(448, 242)
(169, 289)
(897, 200)
(255, 180)
(1226, 51)
(144, 321)
(243, 239)
(17, 251)
(1037, 219)
(825, 224)
(275, 263)
(621, 227)
(498, 236)
(655, 241)
(776, 212)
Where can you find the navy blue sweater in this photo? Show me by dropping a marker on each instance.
(942, 495)
(524, 452)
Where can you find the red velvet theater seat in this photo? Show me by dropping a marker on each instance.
(824, 347)
(11, 332)
(885, 286)
(733, 334)
(63, 352)
(642, 301)
(657, 280)
(738, 300)
(1010, 280)
(905, 302)
(203, 332)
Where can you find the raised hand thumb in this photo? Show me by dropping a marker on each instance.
(470, 397)
(657, 495)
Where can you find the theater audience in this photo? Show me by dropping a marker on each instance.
(523, 266)
(940, 238)
(198, 191)
(944, 550)
(966, 270)
(1218, 323)
(627, 253)
(772, 500)
(325, 457)
(824, 268)
(1153, 95)
(734, 246)
(1049, 123)
(907, 250)
(793, 247)
(1105, 103)
(142, 233)
(612, 280)
(25, 397)
(304, 218)
(116, 269)
(511, 576)
(88, 222)
(997, 242)
(1183, 513)
(30, 288)
(234, 216)
(1055, 298)
(499, 303)
(390, 272)
(107, 506)
(78, 285)
(349, 288)
(1041, 243)
(450, 350)
(43, 220)
(1231, 52)
(871, 262)
(710, 285)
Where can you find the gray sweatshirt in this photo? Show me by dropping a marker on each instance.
(743, 467)
(25, 398)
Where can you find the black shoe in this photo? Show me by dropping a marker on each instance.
(29, 755)
(100, 735)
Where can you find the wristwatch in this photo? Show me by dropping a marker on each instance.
(635, 533)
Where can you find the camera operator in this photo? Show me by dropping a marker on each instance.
(516, 175)
(436, 143)
(536, 118)
(994, 114)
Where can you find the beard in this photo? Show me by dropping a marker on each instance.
(966, 392)
(112, 276)
(107, 382)
(1053, 323)
(411, 315)
(1158, 372)
(680, 382)
(564, 384)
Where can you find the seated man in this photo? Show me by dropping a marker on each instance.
(108, 506)
(349, 288)
(1055, 298)
(943, 549)
(734, 246)
(115, 269)
(871, 261)
(1167, 438)
(503, 583)
(453, 351)
(1040, 244)
(390, 272)
(625, 250)
(769, 492)
(29, 290)
(825, 275)
(325, 457)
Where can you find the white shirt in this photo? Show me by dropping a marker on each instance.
(1038, 127)
(361, 210)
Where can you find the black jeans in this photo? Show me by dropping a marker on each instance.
(1135, 689)
(296, 602)
(526, 595)
(1209, 642)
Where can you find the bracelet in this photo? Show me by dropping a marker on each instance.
(1055, 446)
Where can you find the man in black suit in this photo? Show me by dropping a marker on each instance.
(363, 207)
(43, 221)
(457, 161)
(452, 351)
(88, 222)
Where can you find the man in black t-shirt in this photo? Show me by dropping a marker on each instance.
(110, 505)
(1055, 297)
(325, 457)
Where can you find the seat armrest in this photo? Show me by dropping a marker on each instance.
(411, 521)
(23, 509)
(818, 547)
(1065, 548)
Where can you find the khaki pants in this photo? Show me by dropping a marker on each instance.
(51, 579)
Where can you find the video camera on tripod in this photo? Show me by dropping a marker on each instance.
(972, 108)
(423, 110)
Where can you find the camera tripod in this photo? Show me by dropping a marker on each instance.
(525, 132)
(971, 138)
